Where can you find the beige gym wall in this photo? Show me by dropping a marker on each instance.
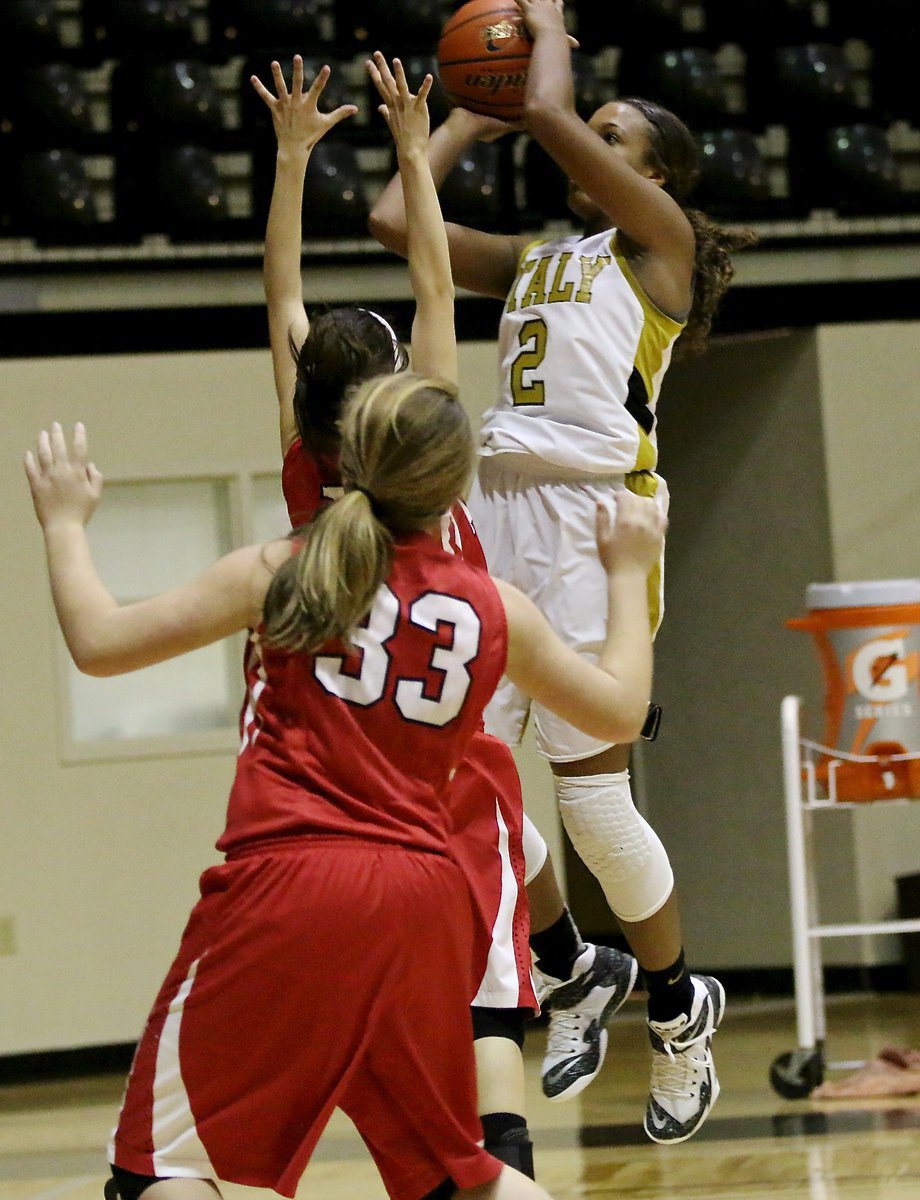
(99, 860)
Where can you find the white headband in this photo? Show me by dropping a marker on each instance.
(390, 330)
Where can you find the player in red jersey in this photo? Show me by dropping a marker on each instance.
(320, 967)
(329, 354)
(315, 363)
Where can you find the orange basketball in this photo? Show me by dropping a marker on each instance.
(483, 58)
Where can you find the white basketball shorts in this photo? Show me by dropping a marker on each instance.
(540, 534)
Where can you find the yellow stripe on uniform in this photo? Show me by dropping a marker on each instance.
(653, 354)
(645, 483)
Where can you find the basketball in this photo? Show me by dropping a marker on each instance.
(483, 57)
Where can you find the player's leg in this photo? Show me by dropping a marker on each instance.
(509, 510)
(579, 984)
(582, 985)
(618, 845)
(626, 856)
(125, 1185)
(554, 937)
(487, 812)
(510, 1185)
(499, 1039)
(415, 1101)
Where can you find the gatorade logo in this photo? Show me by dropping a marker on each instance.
(880, 672)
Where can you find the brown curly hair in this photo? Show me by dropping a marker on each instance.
(673, 152)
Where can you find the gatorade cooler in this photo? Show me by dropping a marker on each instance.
(868, 639)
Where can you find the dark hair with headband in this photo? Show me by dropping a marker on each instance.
(344, 347)
(672, 150)
(406, 455)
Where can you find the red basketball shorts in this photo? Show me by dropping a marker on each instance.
(487, 813)
(325, 973)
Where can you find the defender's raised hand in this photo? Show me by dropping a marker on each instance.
(405, 114)
(298, 122)
(65, 486)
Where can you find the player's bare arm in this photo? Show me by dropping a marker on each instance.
(485, 263)
(104, 637)
(299, 125)
(605, 162)
(434, 341)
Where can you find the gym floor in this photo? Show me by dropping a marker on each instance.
(755, 1146)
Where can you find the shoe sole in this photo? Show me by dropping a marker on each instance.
(611, 1008)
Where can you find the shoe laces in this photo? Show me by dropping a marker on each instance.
(566, 1033)
(674, 1072)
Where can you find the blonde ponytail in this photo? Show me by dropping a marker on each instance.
(406, 455)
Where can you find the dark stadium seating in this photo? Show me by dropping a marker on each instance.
(121, 119)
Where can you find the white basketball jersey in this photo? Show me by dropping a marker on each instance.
(582, 352)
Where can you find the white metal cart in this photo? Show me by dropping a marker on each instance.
(796, 1073)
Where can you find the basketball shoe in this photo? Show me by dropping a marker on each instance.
(579, 1008)
(684, 1086)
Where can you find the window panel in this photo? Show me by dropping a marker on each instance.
(269, 512)
(148, 537)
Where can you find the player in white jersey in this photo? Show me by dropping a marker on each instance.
(585, 340)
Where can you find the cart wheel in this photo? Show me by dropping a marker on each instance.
(795, 1074)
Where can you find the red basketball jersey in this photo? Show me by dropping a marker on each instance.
(365, 743)
(484, 801)
(309, 482)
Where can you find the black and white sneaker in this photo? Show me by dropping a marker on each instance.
(579, 1008)
(684, 1086)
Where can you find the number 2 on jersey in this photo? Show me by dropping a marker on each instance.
(428, 611)
(532, 338)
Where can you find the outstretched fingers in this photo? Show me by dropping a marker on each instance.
(408, 110)
(402, 85)
(79, 452)
(33, 470)
(59, 445)
(43, 451)
(297, 79)
(426, 86)
(65, 485)
(296, 115)
(262, 91)
(278, 76)
(52, 449)
(382, 77)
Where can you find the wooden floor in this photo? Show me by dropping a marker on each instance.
(755, 1146)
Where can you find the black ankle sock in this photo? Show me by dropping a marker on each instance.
(670, 992)
(557, 947)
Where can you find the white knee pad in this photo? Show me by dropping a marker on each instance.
(616, 843)
(535, 850)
